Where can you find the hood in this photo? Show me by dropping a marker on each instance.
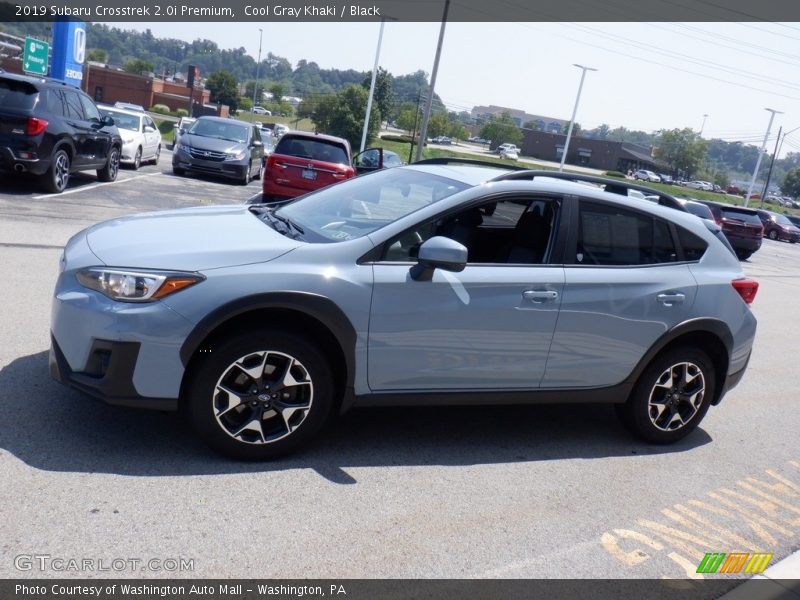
(201, 142)
(188, 239)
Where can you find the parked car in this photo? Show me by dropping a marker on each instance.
(509, 153)
(778, 227)
(50, 130)
(666, 178)
(504, 147)
(740, 225)
(279, 130)
(646, 175)
(442, 139)
(698, 209)
(303, 162)
(260, 110)
(223, 147)
(374, 159)
(141, 139)
(406, 286)
(794, 220)
(700, 185)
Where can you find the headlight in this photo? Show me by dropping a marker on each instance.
(127, 140)
(179, 148)
(239, 155)
(135, 286)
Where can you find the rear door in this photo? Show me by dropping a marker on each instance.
(82, 132)
(623, 289)
(99, 136)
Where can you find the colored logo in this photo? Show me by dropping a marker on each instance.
(735, 562)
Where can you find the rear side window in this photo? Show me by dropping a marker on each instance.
(323, 150)
(17, 94)
(615, 236)
(693, 246)
(55, 103)
(74, 108)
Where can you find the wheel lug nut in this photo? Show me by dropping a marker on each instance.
(285, 395)
(274, 395)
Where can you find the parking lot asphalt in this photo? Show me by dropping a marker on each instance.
(523, 492)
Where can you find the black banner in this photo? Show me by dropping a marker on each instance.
(400, 10)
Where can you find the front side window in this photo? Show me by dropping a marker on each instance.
(89, 109)
(608, 235)
(359, 206)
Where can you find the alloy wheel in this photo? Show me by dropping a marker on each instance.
(61, 171)
(262, 397)
(676, 396)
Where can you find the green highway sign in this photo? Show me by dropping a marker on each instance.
(34, 59)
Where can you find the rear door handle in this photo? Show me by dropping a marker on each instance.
(539, 295)
(670, 299)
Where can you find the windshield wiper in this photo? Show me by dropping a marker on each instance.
(289, 222)
(283, 225)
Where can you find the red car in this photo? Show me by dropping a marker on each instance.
(778, 227)
(740, 225)
(303, 162)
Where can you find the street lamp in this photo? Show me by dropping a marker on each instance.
(761, 154)
(778, 145)
(703, 126)
(258, 67)
(574, 112)
(372, 87)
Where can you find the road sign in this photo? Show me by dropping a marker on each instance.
(34, 58)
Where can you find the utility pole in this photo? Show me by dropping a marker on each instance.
(372, 87)
(772, 162)
(574, 112)
(414, 133)
(258, 68)
(423, 130)
(703, 126)
(760, 154)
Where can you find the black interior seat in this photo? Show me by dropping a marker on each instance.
(530, 239)
(462, 227)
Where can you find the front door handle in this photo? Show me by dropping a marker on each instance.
(539, 295)
(670, 299)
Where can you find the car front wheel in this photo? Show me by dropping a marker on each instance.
(773, 235)
(671, 397)
(261, 394)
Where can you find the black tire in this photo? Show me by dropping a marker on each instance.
(157, 156)
(257, 176)
(264, 429)
(687, 410)
(773, 235)
(57, 177)
(137, 159)
(111, 169)
(743, 254)
(178, 171)
(246, 178)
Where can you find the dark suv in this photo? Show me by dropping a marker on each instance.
(50, 129)
(740, 225)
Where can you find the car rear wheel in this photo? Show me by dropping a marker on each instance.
(137, 160)
(671, 397)
(111, 169)
(261, 394)
(743, 254)
(57, 176)
(157, 156)
(773, 235)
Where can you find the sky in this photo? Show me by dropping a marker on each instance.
(649, 76)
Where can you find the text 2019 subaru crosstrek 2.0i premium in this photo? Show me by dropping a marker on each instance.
(440, 283)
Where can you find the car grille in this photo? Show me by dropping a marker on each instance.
(206, 155)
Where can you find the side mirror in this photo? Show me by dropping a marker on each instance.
(148, 129)
(182, 130)
(258, 144)
(370, 159)
(107, 121)
(439, 252)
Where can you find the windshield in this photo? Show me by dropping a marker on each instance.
(123, 121)
(780, 219)
(359, 206)
(17, 94)
(220, 130)
(701, 210)
(741, 216)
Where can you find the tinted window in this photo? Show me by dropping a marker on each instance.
(55, 103)
(73, 103)
(700, 210)
(693, 246)
(89, 109)
(17, 94)
(747, 217)
(323, 150)
(615, 236)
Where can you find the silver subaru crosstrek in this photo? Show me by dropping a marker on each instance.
(433, 283)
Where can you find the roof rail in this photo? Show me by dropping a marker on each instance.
(612, 184)
(446, 160)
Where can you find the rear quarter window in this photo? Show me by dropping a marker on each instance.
(18, 95)
(693, 246)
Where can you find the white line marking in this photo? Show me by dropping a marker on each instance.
(94, 186)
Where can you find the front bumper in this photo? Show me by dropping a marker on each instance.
(223, 168)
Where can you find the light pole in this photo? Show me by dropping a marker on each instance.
(574, 112)
(258, 68)
(703, 126)
(423, 130)
(778, 145)
(761, 154)
(372, 87)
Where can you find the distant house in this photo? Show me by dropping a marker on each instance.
(520, 117)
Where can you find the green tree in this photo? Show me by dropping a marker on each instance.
(458, 131)
(343, 114)
(501, 130)
(600, 132)
(97, 55)
(250, 87)
(138, 66)
(245, 103)
(682, 149)
(791, 183)
(384, 96)
(438, 125)
(223, 88)
(407, 117)
(278, 91)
